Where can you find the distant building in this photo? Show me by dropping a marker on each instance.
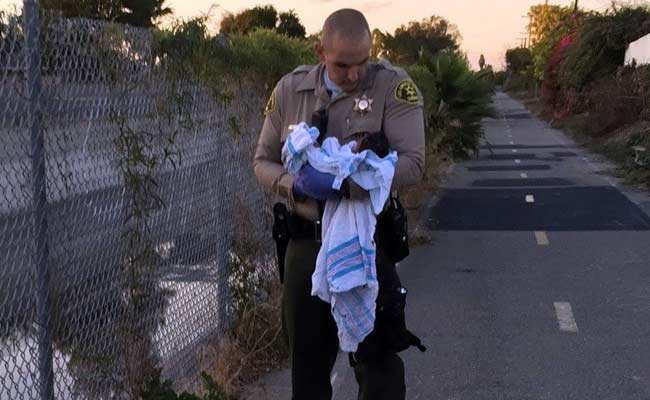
(638, 52)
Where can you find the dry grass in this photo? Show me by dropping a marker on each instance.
(256, 344)
(415, 200)
(253, 347)
(615, 145)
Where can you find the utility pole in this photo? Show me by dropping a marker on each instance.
(530, 27)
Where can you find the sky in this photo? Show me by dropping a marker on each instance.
(488, 27)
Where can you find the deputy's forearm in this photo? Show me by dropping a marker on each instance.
(409, 170)
(273, 177)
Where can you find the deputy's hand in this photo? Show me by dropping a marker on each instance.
(314, 184)
(351, 190)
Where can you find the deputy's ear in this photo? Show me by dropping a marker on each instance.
(320, 51)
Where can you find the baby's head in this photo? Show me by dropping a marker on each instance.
(376, 142)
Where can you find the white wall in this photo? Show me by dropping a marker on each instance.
(639, 51)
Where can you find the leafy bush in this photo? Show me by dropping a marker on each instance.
(488, 75)
(618, 100)
(556, 100)
(425, 79)
(520, 81)
(500, 78)
(268, 55)
(601, 44)
(157, 389)
(456, 99)
(550, 23)
(261, 57)
(519, 75)
(519, 59)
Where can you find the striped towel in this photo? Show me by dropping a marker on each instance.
(345, 274)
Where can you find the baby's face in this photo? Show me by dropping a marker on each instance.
(377, 142)
(362, 143)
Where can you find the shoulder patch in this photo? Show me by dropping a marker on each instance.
(406, 92)
(270, 105)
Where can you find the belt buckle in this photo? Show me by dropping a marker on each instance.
(317, 231)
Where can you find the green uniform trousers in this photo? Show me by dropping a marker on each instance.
(313, 342)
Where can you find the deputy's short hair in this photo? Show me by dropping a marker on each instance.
(347, 23)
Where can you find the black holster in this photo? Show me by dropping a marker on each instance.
(392, 231)
(390, 334)
(281, 234)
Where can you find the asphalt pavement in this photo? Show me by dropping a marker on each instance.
(537, 283)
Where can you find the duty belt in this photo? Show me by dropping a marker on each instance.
(303, 229)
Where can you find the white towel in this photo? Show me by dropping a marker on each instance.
(345, 274)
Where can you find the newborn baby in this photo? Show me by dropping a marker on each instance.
(376, 142)
(310, 182)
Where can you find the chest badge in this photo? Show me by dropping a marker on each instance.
(363, 105)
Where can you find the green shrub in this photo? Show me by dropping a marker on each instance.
(261, 57)
(601, 44)
(157, 389)
(500, 78)
(268, 55)
(425, 79)
(456, 99)
(619, 100)
(520, 81)
(519, 59)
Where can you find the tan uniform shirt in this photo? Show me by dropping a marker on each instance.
(396, 107)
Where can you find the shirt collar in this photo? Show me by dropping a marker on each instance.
(311, 80)
(314, 80)
(331, 86)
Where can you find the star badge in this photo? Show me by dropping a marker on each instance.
(363, 105)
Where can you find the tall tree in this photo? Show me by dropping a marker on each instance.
(378, 39)
(427, 37)
(289, 25)
(134, 12)
(265, 17)
(94, 9)
(143, 12)
(548, 25)
(544, 19)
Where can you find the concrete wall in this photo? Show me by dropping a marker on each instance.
(639, 51)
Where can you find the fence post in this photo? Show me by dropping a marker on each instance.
(39, 200)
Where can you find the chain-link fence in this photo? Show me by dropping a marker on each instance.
(120, 191)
